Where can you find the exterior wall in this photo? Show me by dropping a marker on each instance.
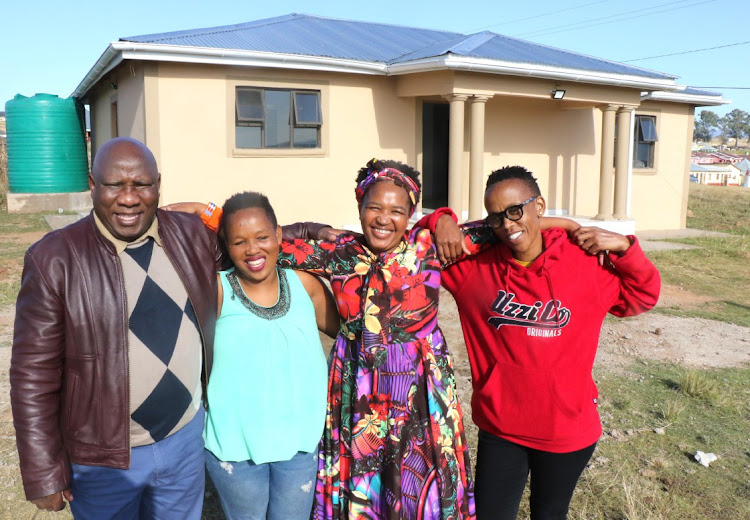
(558, 140)
(129, 97)
(538, 136)
(131, 119)
(713, 178)
(659, 195)
(185, 114)
(362, 118)
(728, 177)
(99, 101)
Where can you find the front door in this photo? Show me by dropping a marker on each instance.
(435, 129)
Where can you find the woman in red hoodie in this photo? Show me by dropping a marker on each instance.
(531, 309)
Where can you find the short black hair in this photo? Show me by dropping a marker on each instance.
(514, 172)
(375, 164)
(246, 200)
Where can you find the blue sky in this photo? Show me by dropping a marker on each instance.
(49, 46)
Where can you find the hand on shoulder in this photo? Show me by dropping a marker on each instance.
(595, 240)
(449, 240)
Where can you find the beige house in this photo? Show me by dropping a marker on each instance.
(717, 174)
(293, 106)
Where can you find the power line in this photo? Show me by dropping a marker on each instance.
(688, 52)
(724, 88)
(571, 26)
(537, 16)
(604, 17)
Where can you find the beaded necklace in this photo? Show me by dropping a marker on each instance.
(278, 310)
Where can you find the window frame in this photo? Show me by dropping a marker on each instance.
(319, 116)
(293, 123)
(640, 139)
(240, 117)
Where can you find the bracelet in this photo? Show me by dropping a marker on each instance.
(211, 216)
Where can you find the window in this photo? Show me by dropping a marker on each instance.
(277, 118)
(645, 142)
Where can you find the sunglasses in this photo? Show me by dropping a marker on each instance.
(514, 212)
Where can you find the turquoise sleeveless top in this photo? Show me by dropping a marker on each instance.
(268, 386)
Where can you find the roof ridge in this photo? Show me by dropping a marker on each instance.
(219, 28)
(269, 21)
(400, 26)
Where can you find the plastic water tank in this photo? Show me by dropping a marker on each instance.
(46, 145)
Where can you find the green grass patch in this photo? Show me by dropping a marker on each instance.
(694, 383)
(720, 267)
(640, 474)
(12, 250)
(22, 223)
(719, 208)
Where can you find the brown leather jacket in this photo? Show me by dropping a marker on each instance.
(69, 367)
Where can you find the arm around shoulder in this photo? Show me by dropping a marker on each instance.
(640, 282)
(561, 222)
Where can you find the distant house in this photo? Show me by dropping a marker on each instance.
(717, 174)
(294, 105)
(744, 166)
(716, 158)
(705, 158)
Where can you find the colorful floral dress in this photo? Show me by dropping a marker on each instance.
(394, 445)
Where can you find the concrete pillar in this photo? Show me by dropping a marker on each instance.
(608, 157)
(456, 152)
(622, 162)
(476, 158)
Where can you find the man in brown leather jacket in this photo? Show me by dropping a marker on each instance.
(114, 327)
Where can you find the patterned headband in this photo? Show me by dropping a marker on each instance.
(397, 176)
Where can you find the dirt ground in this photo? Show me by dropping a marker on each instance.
(652, 336)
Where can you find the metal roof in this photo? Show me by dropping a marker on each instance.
(743, 165)
(715, 168)
(699, 92)
(308, 35)
(493, 46)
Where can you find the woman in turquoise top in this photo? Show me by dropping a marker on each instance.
(267, 392)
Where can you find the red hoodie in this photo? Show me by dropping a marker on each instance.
(532, 334)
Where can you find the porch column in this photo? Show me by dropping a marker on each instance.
(455, 153)
(621, 166)
(608, 157)
(476, 158)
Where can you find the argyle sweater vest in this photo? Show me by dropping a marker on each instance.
(164, 345)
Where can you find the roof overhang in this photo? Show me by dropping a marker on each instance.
(118, 51)
(465, 63)
(686, 98)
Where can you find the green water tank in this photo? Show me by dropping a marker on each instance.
(46, 145)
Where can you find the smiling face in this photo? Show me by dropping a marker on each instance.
(253, 244)
(125, 188)
(524, 236)
(384, 216)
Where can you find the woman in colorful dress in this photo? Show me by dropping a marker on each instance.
(267, 391)
(394, 443)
